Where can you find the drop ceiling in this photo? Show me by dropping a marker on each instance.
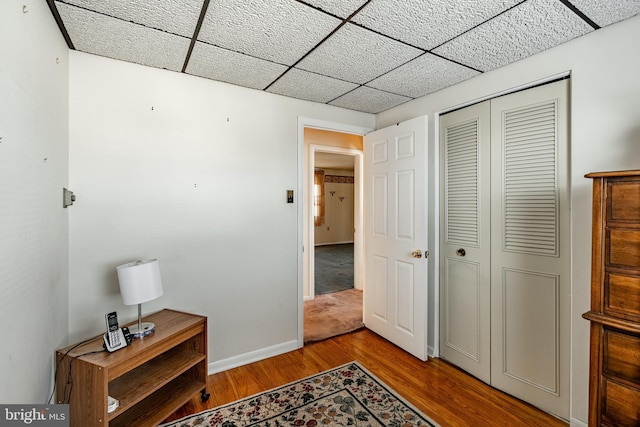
(363, 55)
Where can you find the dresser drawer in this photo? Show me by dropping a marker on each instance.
(622, 356)
(624, 201)
(623, 248)
(622, 296)
(619, 404)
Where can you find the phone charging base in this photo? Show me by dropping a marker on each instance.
(146, 328)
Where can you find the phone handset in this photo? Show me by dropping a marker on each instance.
(114, 338)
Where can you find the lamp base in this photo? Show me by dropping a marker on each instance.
(145, 329)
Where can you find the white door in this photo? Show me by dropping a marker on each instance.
(465, 273)
(530, 273)
(505, 264)
(395, 293)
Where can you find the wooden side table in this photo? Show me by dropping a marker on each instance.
(151, 378)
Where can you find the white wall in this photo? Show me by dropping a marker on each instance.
(605, 135)
(33, 224)
(192, 172)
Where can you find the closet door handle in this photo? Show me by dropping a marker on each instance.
(417, 253)
(461, 252)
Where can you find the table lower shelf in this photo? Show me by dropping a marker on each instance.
(157, 407)
(144, 380)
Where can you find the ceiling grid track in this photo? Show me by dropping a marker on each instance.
(196, 32)
(578, 12)
(342, 24)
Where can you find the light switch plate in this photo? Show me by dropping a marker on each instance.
(67, 198)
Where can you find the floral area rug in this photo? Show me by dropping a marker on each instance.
(344, 396)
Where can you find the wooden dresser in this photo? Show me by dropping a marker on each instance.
(614, 388)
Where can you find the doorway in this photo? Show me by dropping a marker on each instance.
(304, 214)
(333, 299)
(333, 206)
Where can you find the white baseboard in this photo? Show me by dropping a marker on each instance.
(577, 423)
(252, 356)
(334, 243)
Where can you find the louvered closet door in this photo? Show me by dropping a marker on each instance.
(504, 262)
(465, 233)
(530, 290)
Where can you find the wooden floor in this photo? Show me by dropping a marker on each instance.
(441, 391)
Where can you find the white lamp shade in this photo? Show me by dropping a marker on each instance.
(139, 281)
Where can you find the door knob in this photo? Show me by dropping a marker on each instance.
(461, 252)
(417, 253)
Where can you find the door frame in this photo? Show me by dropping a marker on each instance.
(303, 202)
(358, 240)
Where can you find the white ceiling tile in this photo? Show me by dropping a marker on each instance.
(312, 87)
(174, 16)
(370, 64)
(357, 55)
(607, 12)
(114, 38)
(280, 31)
(427, 24)
(525, 30)
(231, 67)
(341, 8)
(369, 100)
(422, 76)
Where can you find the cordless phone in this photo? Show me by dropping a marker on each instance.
(114, 338)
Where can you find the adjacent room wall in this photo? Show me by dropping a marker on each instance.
(195, 173)
(33, 224)
(338, 226)
(605, 135)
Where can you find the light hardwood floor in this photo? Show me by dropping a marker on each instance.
(446, 394)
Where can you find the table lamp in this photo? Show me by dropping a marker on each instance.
(140, 282)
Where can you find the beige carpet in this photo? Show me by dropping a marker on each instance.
(333, 314)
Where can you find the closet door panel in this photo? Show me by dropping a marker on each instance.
(530, 299)
(530, 268)
(465, 250)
